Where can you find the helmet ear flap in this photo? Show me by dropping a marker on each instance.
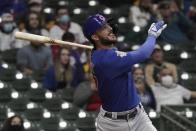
(113, 24)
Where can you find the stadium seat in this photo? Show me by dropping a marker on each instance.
(7, 74)
(96, 9)
(53, 105)
(79, 18)
(70, 129)
(122, 11)
(190, 83)
(124, 28)
(5, 95)
(21, 85)
(86, 124)
(3, 114)
(38, 76)
(34, 114)
(50, 124)
(18, 105)
(173, 56)
(70, 114)
(9, 56)
(36, 95)
(33, 129)
(67, 94)
(81, 3)
(188, 65)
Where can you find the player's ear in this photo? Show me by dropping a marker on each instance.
(95, 37)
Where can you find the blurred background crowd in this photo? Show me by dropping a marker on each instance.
(54, 78)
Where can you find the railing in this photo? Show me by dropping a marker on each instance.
(171, 118)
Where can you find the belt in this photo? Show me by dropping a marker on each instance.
(130, 115)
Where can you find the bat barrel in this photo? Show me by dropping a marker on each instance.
(44, 39)
(31, 37)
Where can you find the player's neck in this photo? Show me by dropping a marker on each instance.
(101, 46)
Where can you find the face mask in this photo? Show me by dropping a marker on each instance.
(167, 81)
(8, 27)
(64, 19)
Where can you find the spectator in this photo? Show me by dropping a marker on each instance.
(157, 62)
(14, 123)
(141, 14)
(179, 29)
(168, 92)
(35, 6)
(94, 101)
(145, 93)
(64, 24)
(62, 74)
(86, 95)
(33, 24)
(75, 55)
(7, 27)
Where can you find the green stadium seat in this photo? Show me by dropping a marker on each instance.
(70, 129)
(70, 114)
(81, 3)
(67, 94)
(7, 74)
(86, 124)
(33, 129)
(53, 105)
(3, 114)
(5, 95)
(79, 18)
(18, 105)
(50, 124)
(34, 114)
(188, 65)
(36, 95)
(190, 84)
(9, 56)
(21, 85)
(38, 75)
(173, 56)
(122, 11)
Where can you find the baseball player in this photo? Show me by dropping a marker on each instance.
(121, 109)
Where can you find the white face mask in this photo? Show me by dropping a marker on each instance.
(167, 81)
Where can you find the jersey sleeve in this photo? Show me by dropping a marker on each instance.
(117, 62)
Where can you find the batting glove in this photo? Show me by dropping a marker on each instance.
(156, 28)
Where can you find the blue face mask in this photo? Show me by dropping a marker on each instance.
(64, 19)
(8, 27)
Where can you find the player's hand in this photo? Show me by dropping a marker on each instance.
(156, 28)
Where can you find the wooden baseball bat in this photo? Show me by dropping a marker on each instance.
(44, 39)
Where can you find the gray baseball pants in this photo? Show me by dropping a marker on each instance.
(140, 122)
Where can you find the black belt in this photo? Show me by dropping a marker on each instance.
(127, 116)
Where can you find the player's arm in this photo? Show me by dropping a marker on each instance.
(147, 47)
(116, 63)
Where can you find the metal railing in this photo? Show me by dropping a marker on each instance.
(172, 120)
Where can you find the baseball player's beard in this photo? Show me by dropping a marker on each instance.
(107, 42)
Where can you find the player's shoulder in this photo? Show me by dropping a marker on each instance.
(105, 53)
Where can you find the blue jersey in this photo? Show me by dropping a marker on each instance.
(112, 70)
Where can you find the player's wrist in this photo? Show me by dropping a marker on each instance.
(152, 35)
